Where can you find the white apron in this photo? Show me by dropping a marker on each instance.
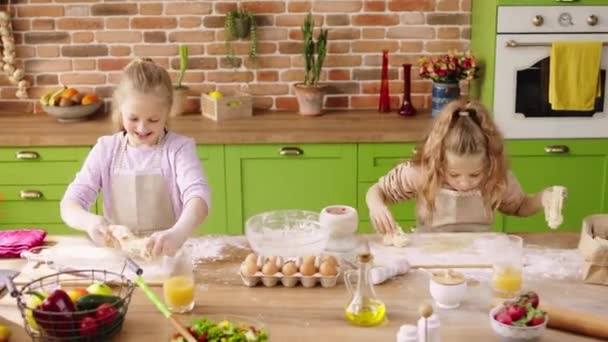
(458, 212)
(140, 198)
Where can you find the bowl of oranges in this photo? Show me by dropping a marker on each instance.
(69, 105)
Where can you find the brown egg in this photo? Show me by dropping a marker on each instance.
(309, 259)
(330, 259)
(327, 269)
(270, 268)
(249, 268)
(289, 268)
(308, 269)
(251, 258)
(272, 259)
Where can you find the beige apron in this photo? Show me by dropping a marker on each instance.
(459, 212)
(140, 198)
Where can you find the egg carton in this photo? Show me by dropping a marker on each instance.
(271, 280)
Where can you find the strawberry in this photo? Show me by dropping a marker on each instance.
(504, 318)
(516, 312)
(202, 338)
(529, 297)
(537, 320)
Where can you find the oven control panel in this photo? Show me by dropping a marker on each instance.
(552, 19)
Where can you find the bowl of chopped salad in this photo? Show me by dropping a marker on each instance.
(219, 328)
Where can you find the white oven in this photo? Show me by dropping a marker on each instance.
(523, 45)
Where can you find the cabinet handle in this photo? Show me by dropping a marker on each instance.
(30, 194)
(557, 149)
(290, 151)
(27, 155)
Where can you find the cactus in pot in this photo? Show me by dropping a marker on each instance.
(180, 91)
(310, 93)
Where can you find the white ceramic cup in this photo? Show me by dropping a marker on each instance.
(447, 296)
(342, 222)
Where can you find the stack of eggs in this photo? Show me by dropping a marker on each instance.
(309, 270)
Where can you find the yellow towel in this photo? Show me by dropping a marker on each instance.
(574, 75)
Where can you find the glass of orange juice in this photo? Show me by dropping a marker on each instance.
(507, 276)
(179, 288)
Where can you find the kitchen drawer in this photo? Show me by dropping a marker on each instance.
(292, 176)
(375, 160)
(401, 211)
(16, 209)
(42, 154)
(32, 173)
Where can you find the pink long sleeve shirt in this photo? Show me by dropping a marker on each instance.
(180, 167)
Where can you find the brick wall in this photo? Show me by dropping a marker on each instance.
(85, 43)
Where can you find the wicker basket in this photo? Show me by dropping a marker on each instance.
(66, 326)
(234, 106)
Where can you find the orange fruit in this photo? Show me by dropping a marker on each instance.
(88, 99)
(68, 93)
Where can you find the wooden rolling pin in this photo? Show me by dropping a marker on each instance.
(576, 321)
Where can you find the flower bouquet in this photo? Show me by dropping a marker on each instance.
(449, 68)
(445, 72)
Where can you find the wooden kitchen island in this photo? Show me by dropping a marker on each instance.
(315, 314)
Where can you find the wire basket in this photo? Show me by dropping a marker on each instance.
(68, 326)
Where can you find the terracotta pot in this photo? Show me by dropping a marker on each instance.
(310, 99)
(180, 97)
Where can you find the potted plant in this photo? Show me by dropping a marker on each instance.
(446, 71)
(240, 24)
(180, 91)
(309, 93)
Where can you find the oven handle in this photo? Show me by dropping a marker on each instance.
(557, 149)
(513, 44)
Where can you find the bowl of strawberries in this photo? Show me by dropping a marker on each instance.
(519, 320)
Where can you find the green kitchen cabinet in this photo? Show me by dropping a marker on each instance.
(270, 177)
(32, 183)
(212, 158)
(579, 165)
(374, 161)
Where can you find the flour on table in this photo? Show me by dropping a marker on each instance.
(211, 247)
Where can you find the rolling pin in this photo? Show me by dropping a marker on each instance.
(577, 322)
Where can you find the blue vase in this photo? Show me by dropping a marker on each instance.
(444, 93)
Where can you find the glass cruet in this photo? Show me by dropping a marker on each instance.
(364, 307)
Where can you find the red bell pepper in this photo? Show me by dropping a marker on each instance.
(55, 315)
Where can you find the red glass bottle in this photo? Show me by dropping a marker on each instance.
(384, 103)
(407, 109)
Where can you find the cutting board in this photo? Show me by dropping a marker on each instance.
(67, 257)
(438, 250)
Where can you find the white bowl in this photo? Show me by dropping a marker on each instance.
(447, 296)
(510, 333)
(286, 233)
(72, 113)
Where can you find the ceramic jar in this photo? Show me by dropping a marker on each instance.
(342, 222)
(448, 288)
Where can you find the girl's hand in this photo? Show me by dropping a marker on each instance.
(166, 242)
(382, 219)
(99, 233)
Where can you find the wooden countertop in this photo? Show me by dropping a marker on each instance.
(315, 314)
(276, 127)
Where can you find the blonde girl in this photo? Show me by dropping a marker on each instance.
(459, 176)
(151, 179)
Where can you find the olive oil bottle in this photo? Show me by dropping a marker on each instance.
(364, 308)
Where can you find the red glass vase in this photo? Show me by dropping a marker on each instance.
(407, 109)
(384, 103)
